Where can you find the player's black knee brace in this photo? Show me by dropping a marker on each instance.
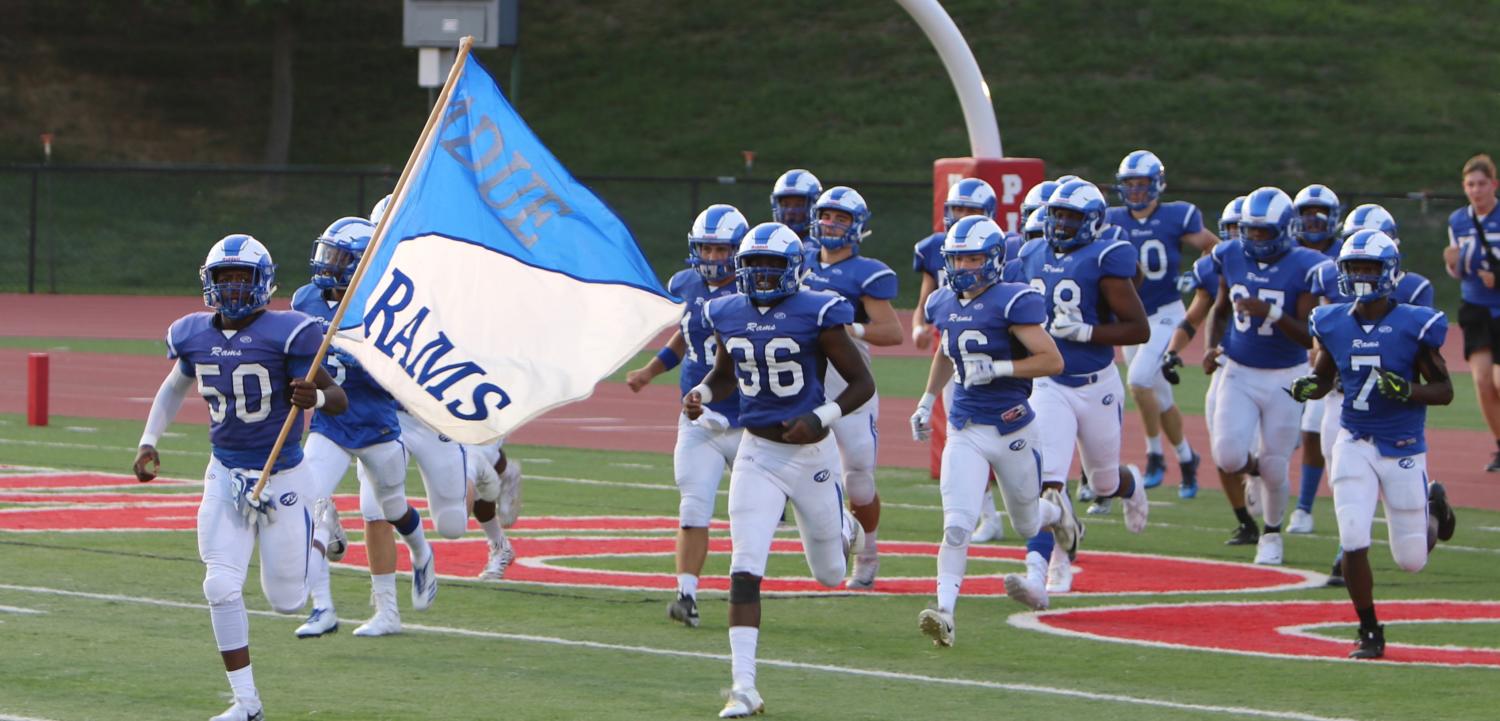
(744, 588)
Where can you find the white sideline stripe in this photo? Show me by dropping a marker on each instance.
(9, 717)
(18, 609)
(774, 663)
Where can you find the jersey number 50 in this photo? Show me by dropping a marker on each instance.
(218, 405)
(784, 376)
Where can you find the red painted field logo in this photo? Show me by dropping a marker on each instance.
(1284, 629)
(558, 550)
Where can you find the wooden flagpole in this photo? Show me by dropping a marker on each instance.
(397, 196)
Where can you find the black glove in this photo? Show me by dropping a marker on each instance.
(1169, 366)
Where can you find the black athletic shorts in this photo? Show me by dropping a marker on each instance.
(1481, 330)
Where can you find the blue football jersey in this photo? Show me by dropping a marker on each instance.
(777, 360)
(701, 344)
(1476, 255)
(1204, 276)
(1256, 342)
(371, 416)
(979, 327)
(853, 278)
(245, 376)
(1390, 344)
(1158, 242)
(1411, 288)
(1069, 284)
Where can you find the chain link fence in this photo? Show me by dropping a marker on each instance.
(145, 228)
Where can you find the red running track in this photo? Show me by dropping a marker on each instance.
(102, 385)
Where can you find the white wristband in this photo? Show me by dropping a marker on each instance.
(1003, 368)
(828, 413)
(705, 395)
(321, 399)
(1274, 314)
(857, 330)
(927, 401)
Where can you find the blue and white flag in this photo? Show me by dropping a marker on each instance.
(503, 287)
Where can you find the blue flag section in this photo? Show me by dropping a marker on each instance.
(502, 287)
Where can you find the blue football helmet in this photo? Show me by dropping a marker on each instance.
(1075, 216)
(1363, 247)
(378, 212)
(1037, 196)
(795, 183)
(973, 235)
(337, 251)
(969, 193)
(1231, 217)
(1268, 210)
(768, 265)
(1318, 211)
(1036, 225)
(1141, 164)
(1370, 217)
(238, 300)
(832, 235)
(718, 224)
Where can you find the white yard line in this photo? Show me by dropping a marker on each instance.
(724, 658)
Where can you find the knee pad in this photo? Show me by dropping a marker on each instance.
(956, 537)
(288, 599)
(1164, 399)
(1230, 454)
(450, 523)
(694, 511)
(744, 588)
(220, 589)
(1408, 536)
(1105, 481)
(860, 484)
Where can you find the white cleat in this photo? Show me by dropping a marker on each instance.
(854, 536)
(1060, 574)
(508, 508)
(1302, 522)
(326, 515)
(742, 703)
(239, 712)
(424, 585)
(1137, 506)
(1026, 592)
(385, 622)
(319, 622)
(1101, 506)
(865, 570)
(500, 559)
(1268, 549)
(990, 529)
(937, 625)
(1068, 531)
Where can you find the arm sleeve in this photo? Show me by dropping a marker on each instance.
(166, 404)
(1423, 296)
(1027, 308)
(881, 285)
(1435, 331)
(1118, 260)
(1194, 220)
(1312, 322)
(836, 311)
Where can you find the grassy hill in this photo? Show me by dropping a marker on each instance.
(1366, 97)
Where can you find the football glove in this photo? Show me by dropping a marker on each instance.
(251, 506)
(1303, 388)
(1169, 366)
(1073, 329)
(713, 421)
(921, 421)
(1393, 386)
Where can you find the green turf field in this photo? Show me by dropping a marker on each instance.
(134, 636)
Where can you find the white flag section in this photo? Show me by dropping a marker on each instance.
(501, 287)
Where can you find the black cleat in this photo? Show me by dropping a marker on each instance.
(1246, 535)
(1494, 466)
(684, 610)
(1156, 469)
(1437, 505)
(1336, 575)
(1371, 643)
(1189, 487)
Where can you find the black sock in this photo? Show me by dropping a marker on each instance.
(1367, 620)
(1272, 529)
(1244, 516)
(1127, 487)
(1497, 445)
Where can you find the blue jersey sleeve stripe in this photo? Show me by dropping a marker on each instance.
(708, 316)
(296, 332)
(1111, 247)
(876, 274)
(171, 347)
(927, 307)
(1017, 297)
(1436, 316)
(1417, 291)
(824, 310)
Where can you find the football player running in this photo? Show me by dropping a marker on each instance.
(1085, 271)
(772, 340)
(994, 341)
(1264, 296)
(839, 224)
(970, 196)
(792, 198)
(1316, 227)
(1387, 356)
(248, 363)
(1158, 229)
(706, 445)
(368, 434)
